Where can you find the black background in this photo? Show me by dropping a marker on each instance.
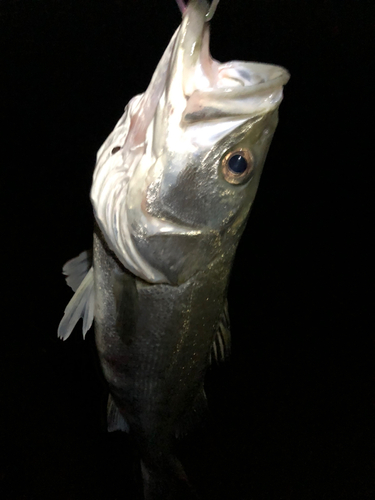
(293, 408)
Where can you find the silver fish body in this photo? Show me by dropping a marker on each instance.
(154, 342)
(172, 191)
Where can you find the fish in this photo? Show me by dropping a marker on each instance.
(172, 190)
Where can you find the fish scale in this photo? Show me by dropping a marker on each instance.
(180, 339)
(172, 191)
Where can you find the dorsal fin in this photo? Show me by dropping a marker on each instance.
(221, 344)
(80, 277)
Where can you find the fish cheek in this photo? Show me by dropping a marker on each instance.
(180, 256)
(126, 300)
(191, 199)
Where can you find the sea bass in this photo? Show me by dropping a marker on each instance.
(172, 190)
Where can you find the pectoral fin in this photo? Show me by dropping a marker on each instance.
(80, 277)
(76, 269)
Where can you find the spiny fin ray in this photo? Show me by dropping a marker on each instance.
(115, 421)
(221, 344)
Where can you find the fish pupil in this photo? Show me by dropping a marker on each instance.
(237, 164)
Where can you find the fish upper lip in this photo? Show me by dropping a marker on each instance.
(212, 89)
(272, 77)
(193, 46)
(260, 92)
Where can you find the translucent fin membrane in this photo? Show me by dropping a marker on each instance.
(81, 305)
(76, 269)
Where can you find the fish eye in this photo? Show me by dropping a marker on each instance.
(238, 166)
(114, 150)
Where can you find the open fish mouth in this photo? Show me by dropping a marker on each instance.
(241, 90)
(215, 90)
(166, 137)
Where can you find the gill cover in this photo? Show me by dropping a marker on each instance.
(159, 194)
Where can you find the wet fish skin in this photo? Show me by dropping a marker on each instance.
(153, 342)
(168, 218)
(158, 175)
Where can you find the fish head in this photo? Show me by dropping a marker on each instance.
(176, 179)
